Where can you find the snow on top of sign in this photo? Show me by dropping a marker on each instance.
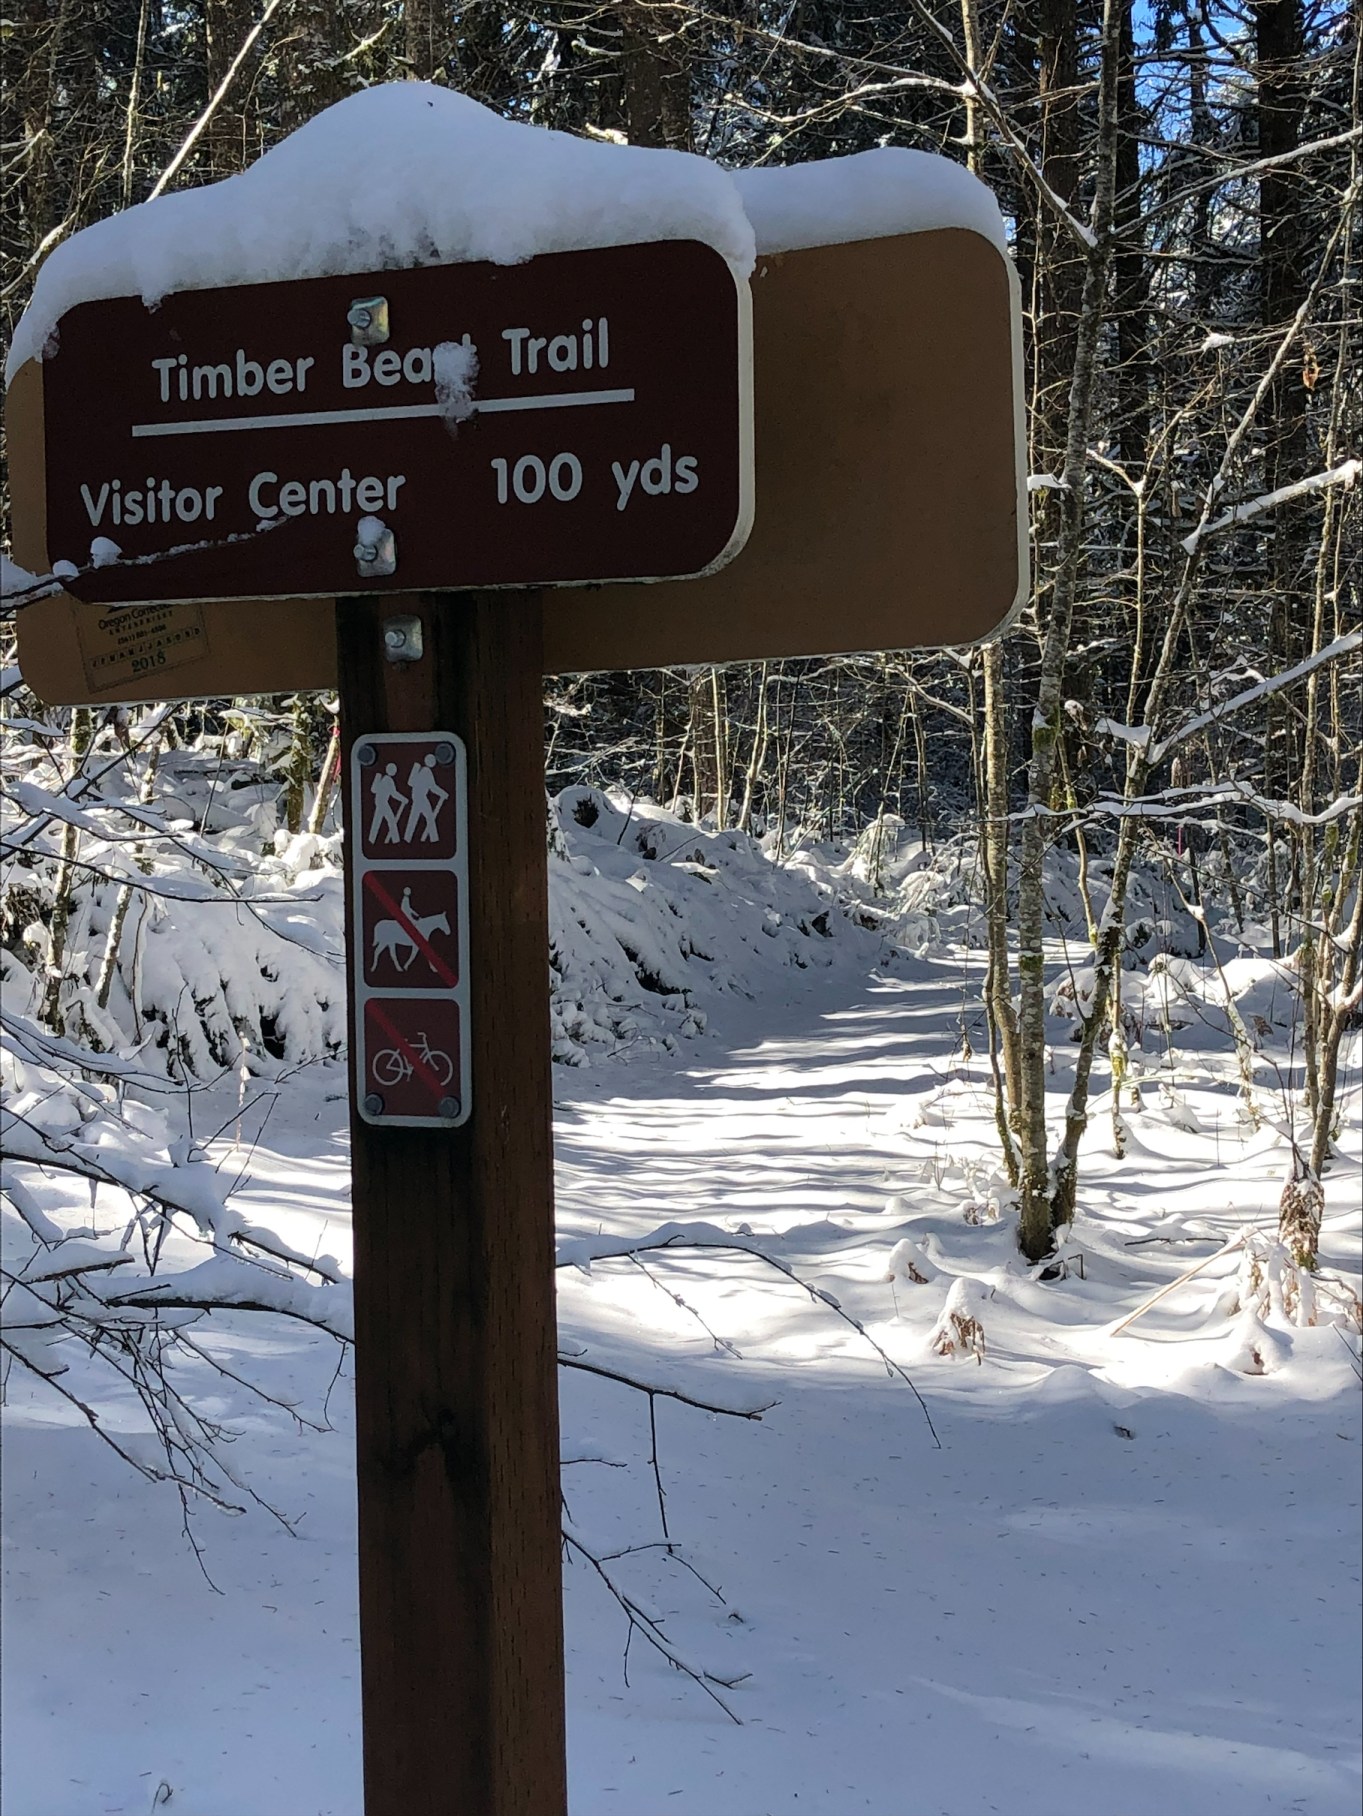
(870, 195)
(400, 174)
(409, 174)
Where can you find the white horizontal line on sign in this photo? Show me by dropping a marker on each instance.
(303, 419)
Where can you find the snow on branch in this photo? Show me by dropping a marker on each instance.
(748, 1409)
(222, 1283)
(1344, 475)
(183, 1183)
(106, 554)
(20, 588)
(1181, 804)
(1232, 172)
(1139, 735)
(71, 1295)
(78, 1062)
(1342, 646)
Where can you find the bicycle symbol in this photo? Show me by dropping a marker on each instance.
(391, 1066)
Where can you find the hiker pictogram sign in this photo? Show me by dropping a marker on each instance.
(405, 801)
(409, 946)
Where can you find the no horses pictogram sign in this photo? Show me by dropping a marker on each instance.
(409, 951)
(409, 928)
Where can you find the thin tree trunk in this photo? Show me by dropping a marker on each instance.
(302, 763)
(134, 98)
(761, 738)
(109, 961)
(657, 74)
(327, 781)
(998, 998)
(1038, 1203)
(82, 733)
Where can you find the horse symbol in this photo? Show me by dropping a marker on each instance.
(392, 938)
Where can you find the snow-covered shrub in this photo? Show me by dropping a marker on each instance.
(145, 906)
(651, 915)
(959, 1329)
(945, 889)
(189, 926)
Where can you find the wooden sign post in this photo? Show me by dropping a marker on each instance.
(455, 1357)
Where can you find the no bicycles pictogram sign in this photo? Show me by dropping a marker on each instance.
(409, 952)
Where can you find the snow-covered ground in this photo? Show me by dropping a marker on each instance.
(1115, 1574)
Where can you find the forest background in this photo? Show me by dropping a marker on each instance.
(1179, 699)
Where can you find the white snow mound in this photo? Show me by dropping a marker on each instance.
(870, 195)
(396, 175)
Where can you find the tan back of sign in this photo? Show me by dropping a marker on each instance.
(890, 503)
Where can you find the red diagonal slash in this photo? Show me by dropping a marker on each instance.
(420, 1069)
(437, 964)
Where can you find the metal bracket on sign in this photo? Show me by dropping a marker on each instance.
(367, 317)
(402, 640)
(376, 552)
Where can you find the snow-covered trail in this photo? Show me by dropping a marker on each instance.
(1125, 1584)
(1122, 1585)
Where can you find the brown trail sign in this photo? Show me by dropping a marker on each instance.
(244, 452)
(581, 417)
(891, 511)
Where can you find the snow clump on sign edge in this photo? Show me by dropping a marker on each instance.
(870, 195)
(397, 175)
